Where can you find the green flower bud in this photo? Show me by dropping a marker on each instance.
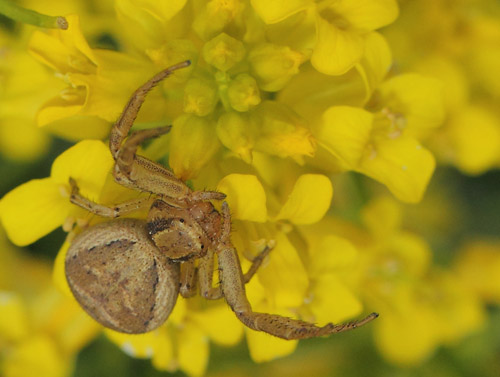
(273, 65)
(243, 93)
(200, 96)
(236, 132)
(223, 52)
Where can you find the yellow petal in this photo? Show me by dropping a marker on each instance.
(246, 197)
(33, 143)
(14, 323)
(89, 162)
(405, 338)
(282, 131)
(193, 142)
(332, 301)
(272, 11)
(220, 324)
(284, 276)
(345, 131)
(474, 134)
(58, 273)
(264, 347)
(417, 98)
(64, 50)
(140, 346)
(163, 358)
(382, 216)
(32, 210)
(375, 63)
(332, 253)
(366, 14)
(193, 351)
(77, 127)
(336, 50)
(36, 356)
(308, 201)
(402, 164)
(163, 10)
(478, 266)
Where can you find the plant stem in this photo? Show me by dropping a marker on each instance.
(20, 14)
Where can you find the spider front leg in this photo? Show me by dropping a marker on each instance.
(138, 172)
(233, 287)
(103, 210)
(122, 126)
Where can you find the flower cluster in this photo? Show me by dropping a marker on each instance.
(284, 103)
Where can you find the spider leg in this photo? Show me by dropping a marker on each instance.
(122, 126)
(257, 261)
(206, 273)
(126, 154)
(233, 287)
(103, 210)
(188, 279)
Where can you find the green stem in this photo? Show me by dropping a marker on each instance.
(17, 13)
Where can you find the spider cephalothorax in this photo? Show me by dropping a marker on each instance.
(127, 273)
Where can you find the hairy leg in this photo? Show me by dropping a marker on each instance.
(188, 279)
(102, 210)
(126, 154)
(122, 126)
(233, 287)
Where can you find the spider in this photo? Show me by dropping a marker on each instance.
(127, 273)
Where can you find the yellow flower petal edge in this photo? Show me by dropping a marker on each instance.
(309, 200)
(88, 162)
(272, 11)
(367, 14)
(264, 347)
(403, 165)
(32, 210)
(345, 131)
(58, 273)
(376, 61)
(246, 197)
(333, 301)
(336, 50)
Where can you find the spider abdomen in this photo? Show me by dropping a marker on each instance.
(120, 278)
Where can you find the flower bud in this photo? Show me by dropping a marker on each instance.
(274, 65)
(223, 52)
(193, 143)
(200, 97)
(243, 93)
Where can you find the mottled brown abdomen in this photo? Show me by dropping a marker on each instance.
(120, 278)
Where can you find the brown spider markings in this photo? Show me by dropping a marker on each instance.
(127, 273)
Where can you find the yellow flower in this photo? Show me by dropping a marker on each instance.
(270, 112)
(41, 330)
(342, 27)
(39, 206)
(478, 264)
(24, 86)
(459, 50)
(421, 307)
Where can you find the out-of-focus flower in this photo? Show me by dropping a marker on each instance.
(421, 306)
(459, 47)
(41, 330)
